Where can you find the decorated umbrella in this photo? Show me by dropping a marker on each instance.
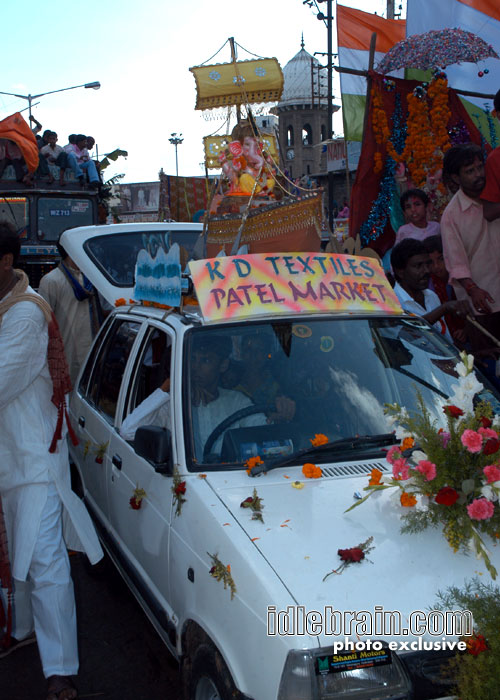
(436, 48)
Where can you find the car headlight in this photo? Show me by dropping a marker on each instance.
(325, 675)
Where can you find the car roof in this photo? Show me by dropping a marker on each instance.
(107, 254)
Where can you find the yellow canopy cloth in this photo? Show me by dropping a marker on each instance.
(241, 82)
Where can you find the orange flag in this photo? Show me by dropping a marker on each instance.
(16, 129)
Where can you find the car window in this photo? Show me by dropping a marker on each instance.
(87, 370)
(152, 368)
(107, 373)
(330, 376)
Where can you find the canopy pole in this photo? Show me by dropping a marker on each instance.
(233, 59)
(364, 74)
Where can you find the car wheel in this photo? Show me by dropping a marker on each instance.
(209, 677)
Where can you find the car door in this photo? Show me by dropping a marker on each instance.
(93, 407)
(140, 499)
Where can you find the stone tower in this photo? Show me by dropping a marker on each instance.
(303, 116)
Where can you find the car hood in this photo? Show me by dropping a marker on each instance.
(304, 528)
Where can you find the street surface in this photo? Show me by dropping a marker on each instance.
(121, 656)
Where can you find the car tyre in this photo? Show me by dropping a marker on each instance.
(209, 677)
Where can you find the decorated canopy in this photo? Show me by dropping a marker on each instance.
(239, 82)
(442, 48)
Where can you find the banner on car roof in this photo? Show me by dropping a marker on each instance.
(243, 286)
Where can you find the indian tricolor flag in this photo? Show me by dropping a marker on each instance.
(481, 17)
(354, 33)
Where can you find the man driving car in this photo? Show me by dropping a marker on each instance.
(210, 402)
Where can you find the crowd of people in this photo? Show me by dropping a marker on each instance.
(75, 156)
(447, 271)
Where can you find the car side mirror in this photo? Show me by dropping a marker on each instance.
(155, 445)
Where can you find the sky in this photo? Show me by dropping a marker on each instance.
(140, 52)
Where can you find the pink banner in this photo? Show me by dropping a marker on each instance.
(291, 283)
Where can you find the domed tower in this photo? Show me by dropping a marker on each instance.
(303, 116)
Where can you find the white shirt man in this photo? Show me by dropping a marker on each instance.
(35, 483)
(155, 410)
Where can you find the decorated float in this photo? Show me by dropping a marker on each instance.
(409, 126)
(252, 203)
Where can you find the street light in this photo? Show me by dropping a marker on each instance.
(176, 141)
(95, 86)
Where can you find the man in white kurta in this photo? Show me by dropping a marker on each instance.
(73, 315)
(35, 484)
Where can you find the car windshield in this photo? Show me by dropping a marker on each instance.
(266, 388)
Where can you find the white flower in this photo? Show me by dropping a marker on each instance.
(489, 493)
(469, 361)
(467, 365)
(422, 503)
(402, 433)
(461, 369)
(471, 384)
(495, 490)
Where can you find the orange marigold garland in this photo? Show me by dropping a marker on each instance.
(427, 133)
(419, 147)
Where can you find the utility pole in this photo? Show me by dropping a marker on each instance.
(329, 22)
(329, 50)
(390, 9)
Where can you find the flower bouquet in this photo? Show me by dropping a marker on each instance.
(448, 478)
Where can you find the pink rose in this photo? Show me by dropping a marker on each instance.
(492, 473)
(401, 469)
(428, 469)
(480, 509)
(488, 433)
(393, 454)
(472, 441)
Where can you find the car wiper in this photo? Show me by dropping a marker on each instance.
(341, 445)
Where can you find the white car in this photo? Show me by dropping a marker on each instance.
(232, 595)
